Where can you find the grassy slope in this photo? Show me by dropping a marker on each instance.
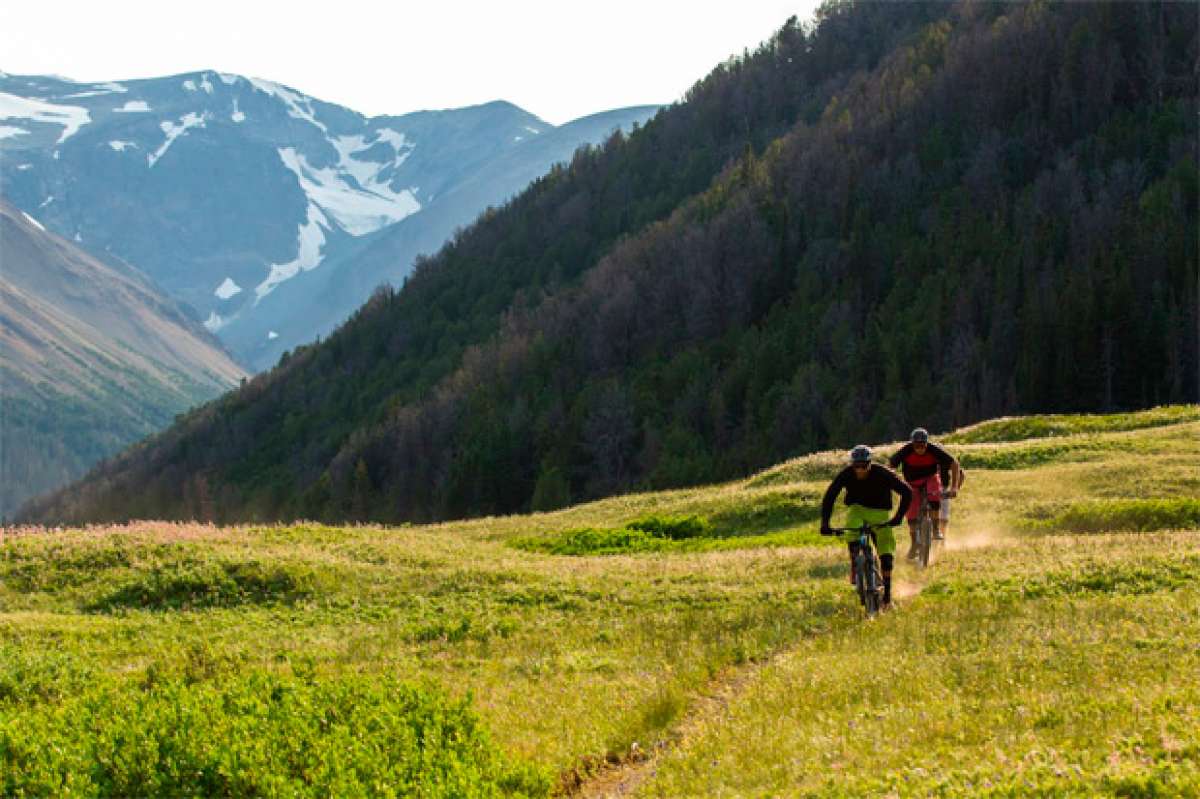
(1057, 662)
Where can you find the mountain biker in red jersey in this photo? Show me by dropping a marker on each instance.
(869, 487)
(921, 462)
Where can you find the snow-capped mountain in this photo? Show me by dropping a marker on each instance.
(225, 189)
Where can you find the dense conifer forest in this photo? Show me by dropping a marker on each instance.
(898, 214)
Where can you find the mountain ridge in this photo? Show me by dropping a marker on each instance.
(223, 187)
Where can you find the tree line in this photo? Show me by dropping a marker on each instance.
(967, 211)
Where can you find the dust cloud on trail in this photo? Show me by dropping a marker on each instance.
(976, 537)
(962, 539)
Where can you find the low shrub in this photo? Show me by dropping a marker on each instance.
(198, 584)
(647, 534)
(28, 675)
(259, 735)
(675, 528)
(593, 541)
(1140, 515)
(1008, 458)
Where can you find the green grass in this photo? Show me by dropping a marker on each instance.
(257, 734)
(1053, 643)
(1138, 515)
(1022, 428)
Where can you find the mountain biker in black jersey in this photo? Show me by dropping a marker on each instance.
(869, 487)
(922, 462)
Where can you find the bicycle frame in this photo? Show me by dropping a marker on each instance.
(924, 531)
(868, 578)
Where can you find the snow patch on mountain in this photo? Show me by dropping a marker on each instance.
(310, 240)
(366, 173)
(133, 107)
(174, 131)
(227, 79)
(97, 90)
(214, 322)
(71, 117)
(396, 139)
(120, 146)
(358, 210)
(272, 335)
(6, 132)
(237, 115)
(298, 105)
(205, 85)
(227, 289)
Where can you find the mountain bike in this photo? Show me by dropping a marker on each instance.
(925, 526)
(927, 541)
(868, 578)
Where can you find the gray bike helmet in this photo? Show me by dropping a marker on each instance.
(860, 454)
(920, 436)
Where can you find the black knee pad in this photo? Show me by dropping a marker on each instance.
(885, 561)
(853, 546)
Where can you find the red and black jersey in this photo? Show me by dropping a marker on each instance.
(918, 467)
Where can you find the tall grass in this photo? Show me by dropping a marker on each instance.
(538, 646)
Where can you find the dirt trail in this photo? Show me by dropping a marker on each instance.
(624, 776)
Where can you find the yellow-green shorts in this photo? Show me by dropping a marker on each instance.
(885, 539)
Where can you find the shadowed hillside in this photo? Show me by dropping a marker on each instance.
(95, 358)
(986, 209)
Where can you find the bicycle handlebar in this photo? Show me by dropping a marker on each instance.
(840, 530)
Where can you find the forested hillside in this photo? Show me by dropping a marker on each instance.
(904, 214)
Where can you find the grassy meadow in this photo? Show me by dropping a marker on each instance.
(701, 642)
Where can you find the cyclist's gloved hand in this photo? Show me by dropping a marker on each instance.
(951, 494)
(826, 529)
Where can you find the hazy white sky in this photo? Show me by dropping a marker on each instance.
(555, 58)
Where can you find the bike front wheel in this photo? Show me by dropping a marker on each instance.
(925, 541)
(869, 584)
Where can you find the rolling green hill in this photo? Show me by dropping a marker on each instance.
(1052, 650)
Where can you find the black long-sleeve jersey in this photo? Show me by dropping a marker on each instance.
(873, 491)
